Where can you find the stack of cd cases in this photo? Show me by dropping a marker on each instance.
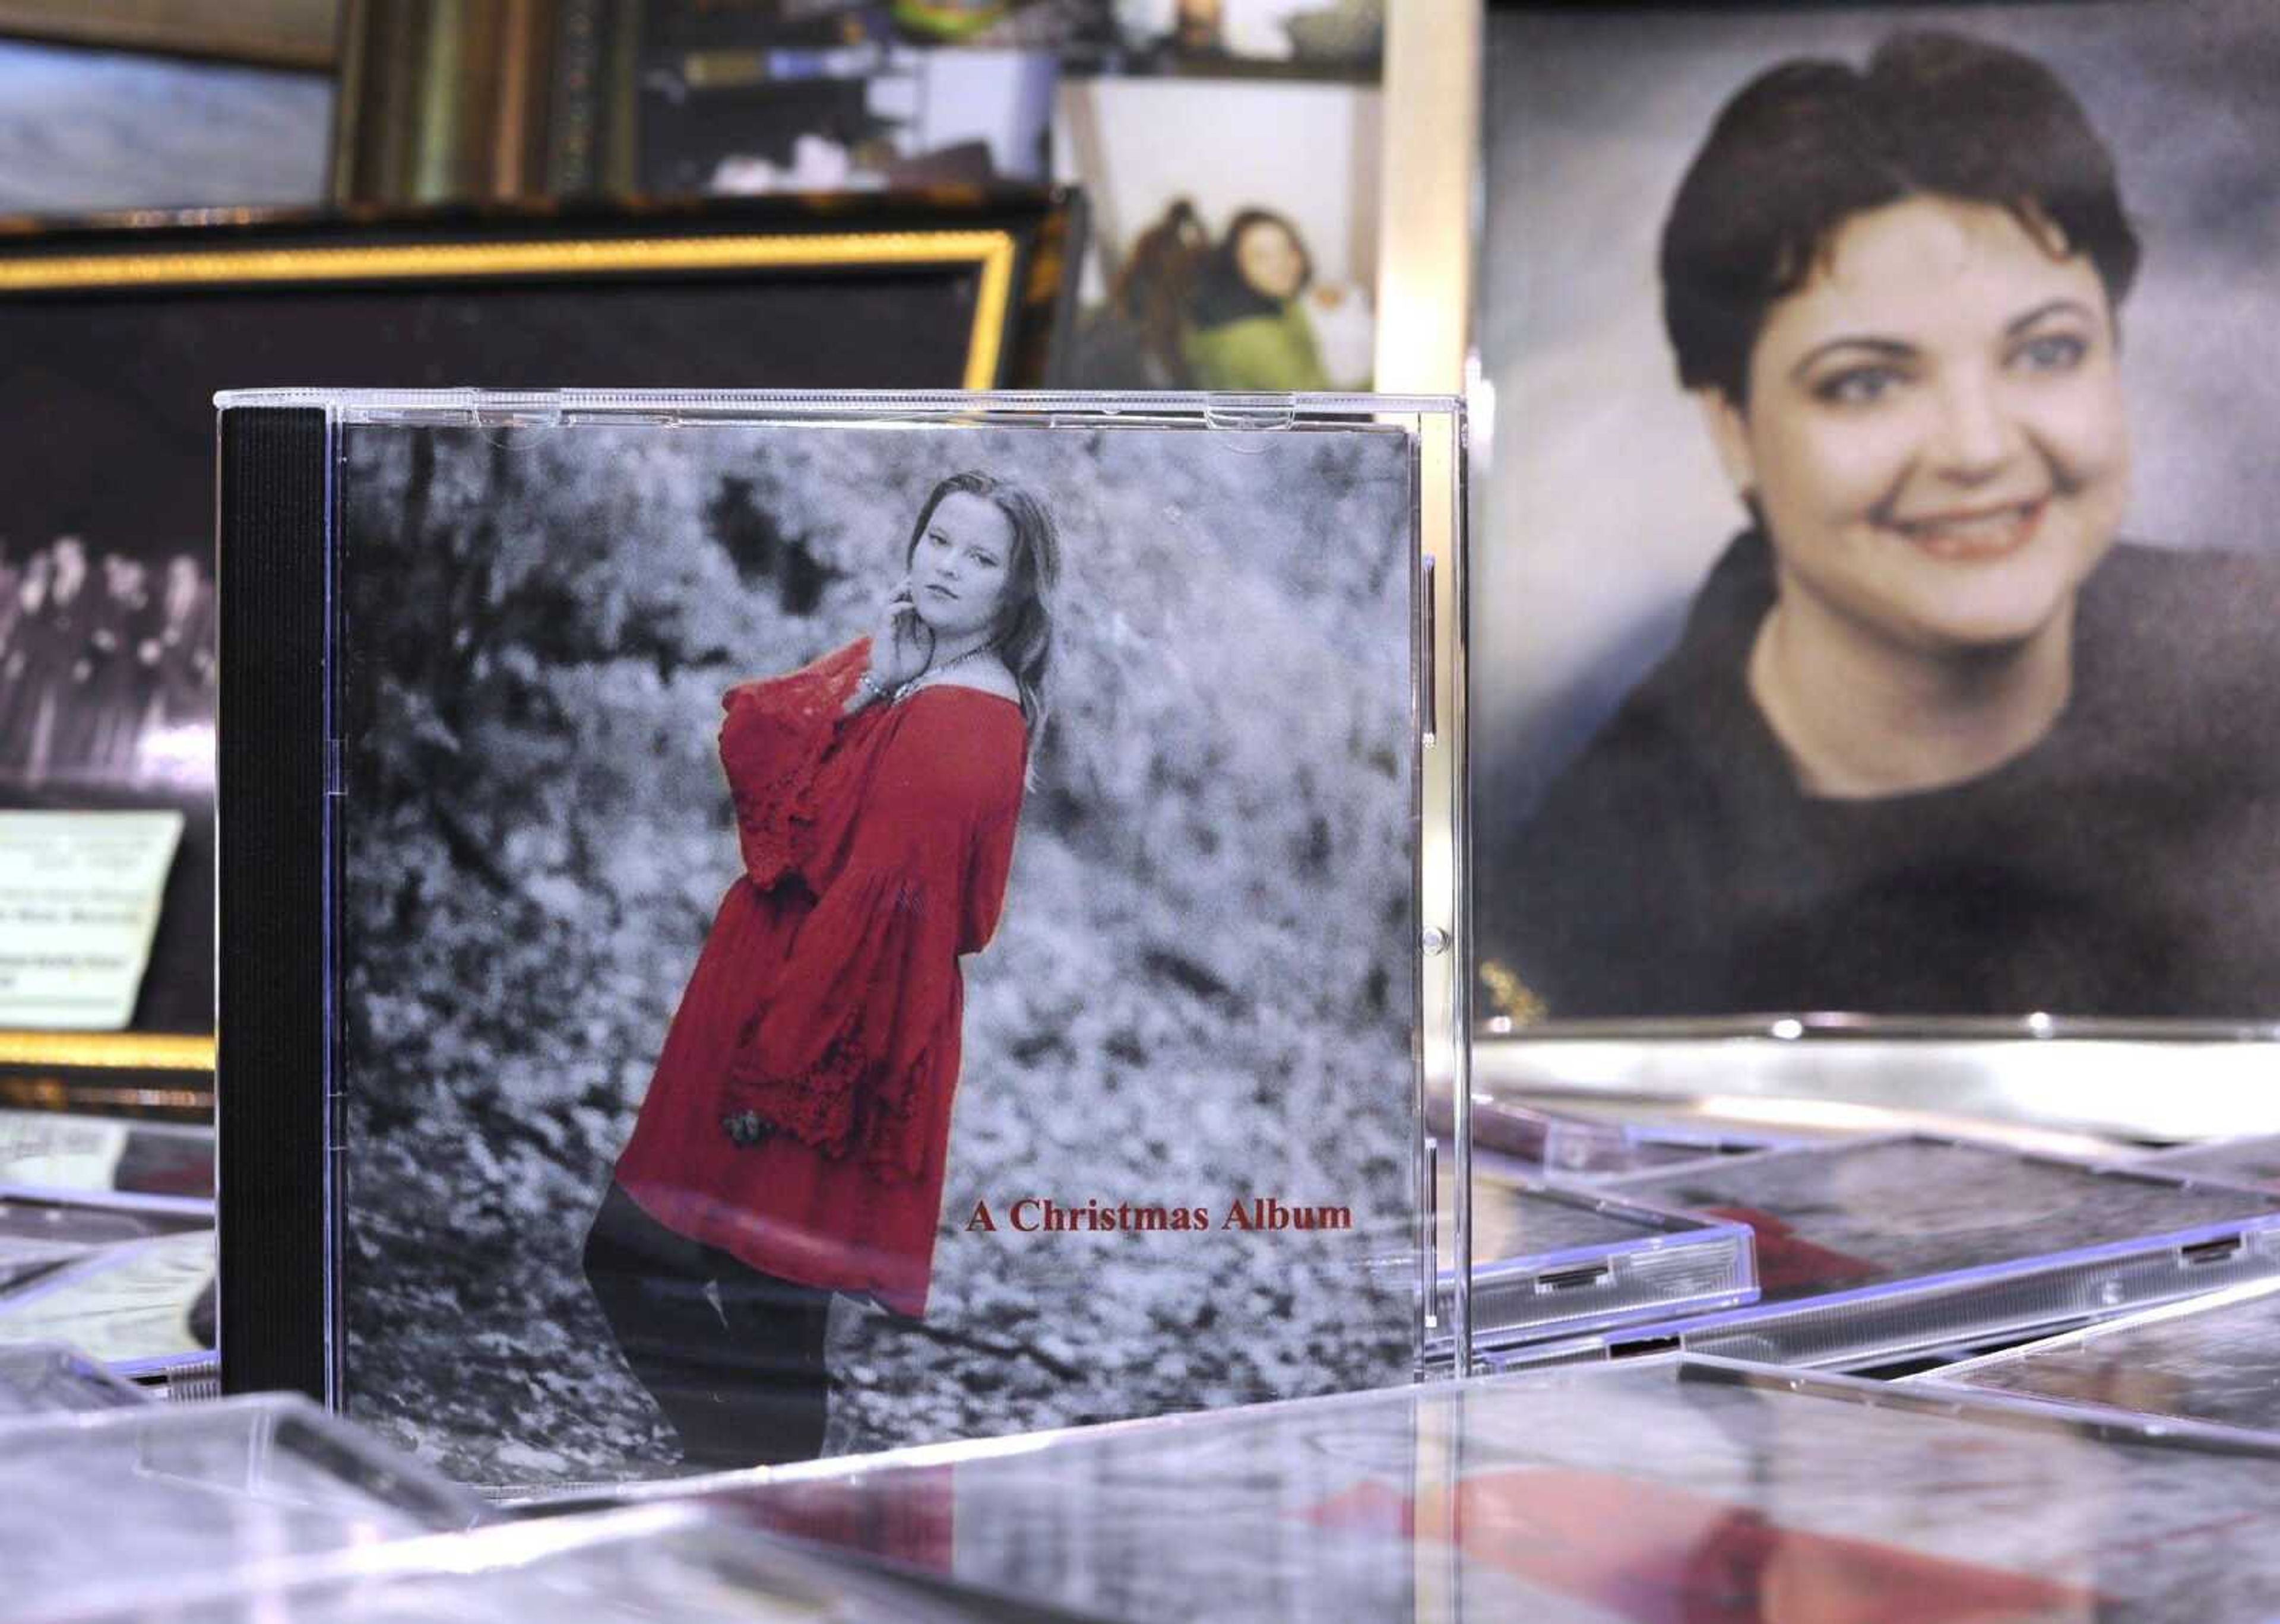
(1664, 1488)
(1879, 1252)
(2212, 1361)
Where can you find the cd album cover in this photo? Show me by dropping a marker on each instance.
(1649, 1492)
(2214, 1359)
(859, 923)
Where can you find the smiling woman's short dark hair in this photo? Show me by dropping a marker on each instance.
(1811, 143)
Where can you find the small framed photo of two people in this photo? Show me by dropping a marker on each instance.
(871, 931)
(1878, 583)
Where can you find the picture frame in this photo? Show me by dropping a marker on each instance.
(1571, 358)
(286, 34)
(126, 328)
(89, 126)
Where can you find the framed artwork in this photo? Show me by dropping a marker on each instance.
(283, 34)
(86, 130)
(121, 337)
(1871, 631)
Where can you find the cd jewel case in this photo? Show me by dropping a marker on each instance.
(192, 1489)
(1664, 1488)
(685, 1562)
(64, 1157)
(1548, 1260)
(1566, 1145)
(38, 1378)
(2213, 1360)
(2254, 1160)
(37, 1237)
(854, 920)
(143, 1307)
(1878, 1250)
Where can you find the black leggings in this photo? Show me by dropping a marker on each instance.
(732, 1357)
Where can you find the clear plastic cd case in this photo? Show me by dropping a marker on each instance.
(846, 920)
(38, 1237)
(1565, 1144)
(143, 1307)
(1659, 1489)
(1549, 1261)
(2213, 1360)
(38, 1378)
(60, 1156)
(196, 1489)
(1880, 1250)
(2253, 1160)
(685, 1562)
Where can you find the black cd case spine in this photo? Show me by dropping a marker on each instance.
(275, 755)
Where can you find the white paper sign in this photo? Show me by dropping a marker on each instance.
(47, 1150)
(78, 904)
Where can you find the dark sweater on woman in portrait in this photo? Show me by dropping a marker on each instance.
(2128, 865)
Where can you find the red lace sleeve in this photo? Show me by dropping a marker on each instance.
(866, 1003)
(772, 738)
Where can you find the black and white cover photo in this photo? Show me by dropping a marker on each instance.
(858, 934)
(1878, 579)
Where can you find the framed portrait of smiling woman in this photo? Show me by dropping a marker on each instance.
(1875, 607)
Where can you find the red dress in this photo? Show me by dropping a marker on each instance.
(827, 1000)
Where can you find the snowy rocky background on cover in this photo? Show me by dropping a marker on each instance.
(1201, 988)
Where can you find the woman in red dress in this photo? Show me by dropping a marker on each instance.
(792, 1144)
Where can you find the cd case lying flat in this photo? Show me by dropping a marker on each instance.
(196, 1489)
(1659, 1490)
(688, 1563)
(144, 1307)
(2214, 1361)
(38, 1237)
(1879, 1250)
(814, 923)
(40, 1378)
(63, 1156)
(2254, 1160)
(1549, 1261)
(1566, 1145)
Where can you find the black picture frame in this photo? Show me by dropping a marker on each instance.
(122, 329)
